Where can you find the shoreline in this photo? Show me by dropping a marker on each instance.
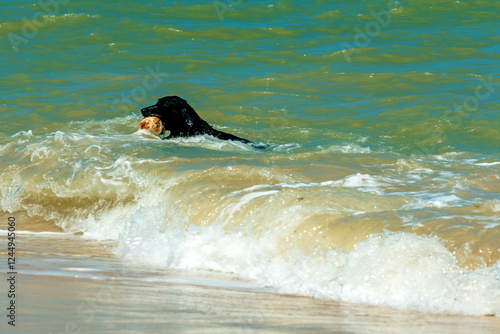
(55, 304)
(68, 284)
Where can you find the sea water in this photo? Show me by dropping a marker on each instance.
(380, 181)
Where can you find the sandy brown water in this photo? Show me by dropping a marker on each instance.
(379, 184)
(97, 294)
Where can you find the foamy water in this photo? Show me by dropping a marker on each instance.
(383, 236)
(380, 178)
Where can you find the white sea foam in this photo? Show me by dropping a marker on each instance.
(488, 163)
(400, 270)
(362, 182)
(349, 148)
(146, 134)
(26, 134)
(430, 200)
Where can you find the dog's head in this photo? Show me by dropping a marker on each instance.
(176, 115)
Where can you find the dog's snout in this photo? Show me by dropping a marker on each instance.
(147, 111)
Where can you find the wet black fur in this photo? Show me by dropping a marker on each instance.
(181, 120)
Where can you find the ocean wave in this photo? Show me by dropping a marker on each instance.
(418, 233)
(400, 270)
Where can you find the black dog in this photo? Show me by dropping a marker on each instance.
(181, 120)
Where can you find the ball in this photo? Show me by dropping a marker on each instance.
(152, 124)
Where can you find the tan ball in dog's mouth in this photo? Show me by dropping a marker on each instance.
(152, 124)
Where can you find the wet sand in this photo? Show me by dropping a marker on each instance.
(78, 305)
(69, 284)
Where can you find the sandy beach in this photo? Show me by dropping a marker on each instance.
(76, 305)
(63, 287)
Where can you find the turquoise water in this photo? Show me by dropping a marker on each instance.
(407, 81)
(381, 119)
